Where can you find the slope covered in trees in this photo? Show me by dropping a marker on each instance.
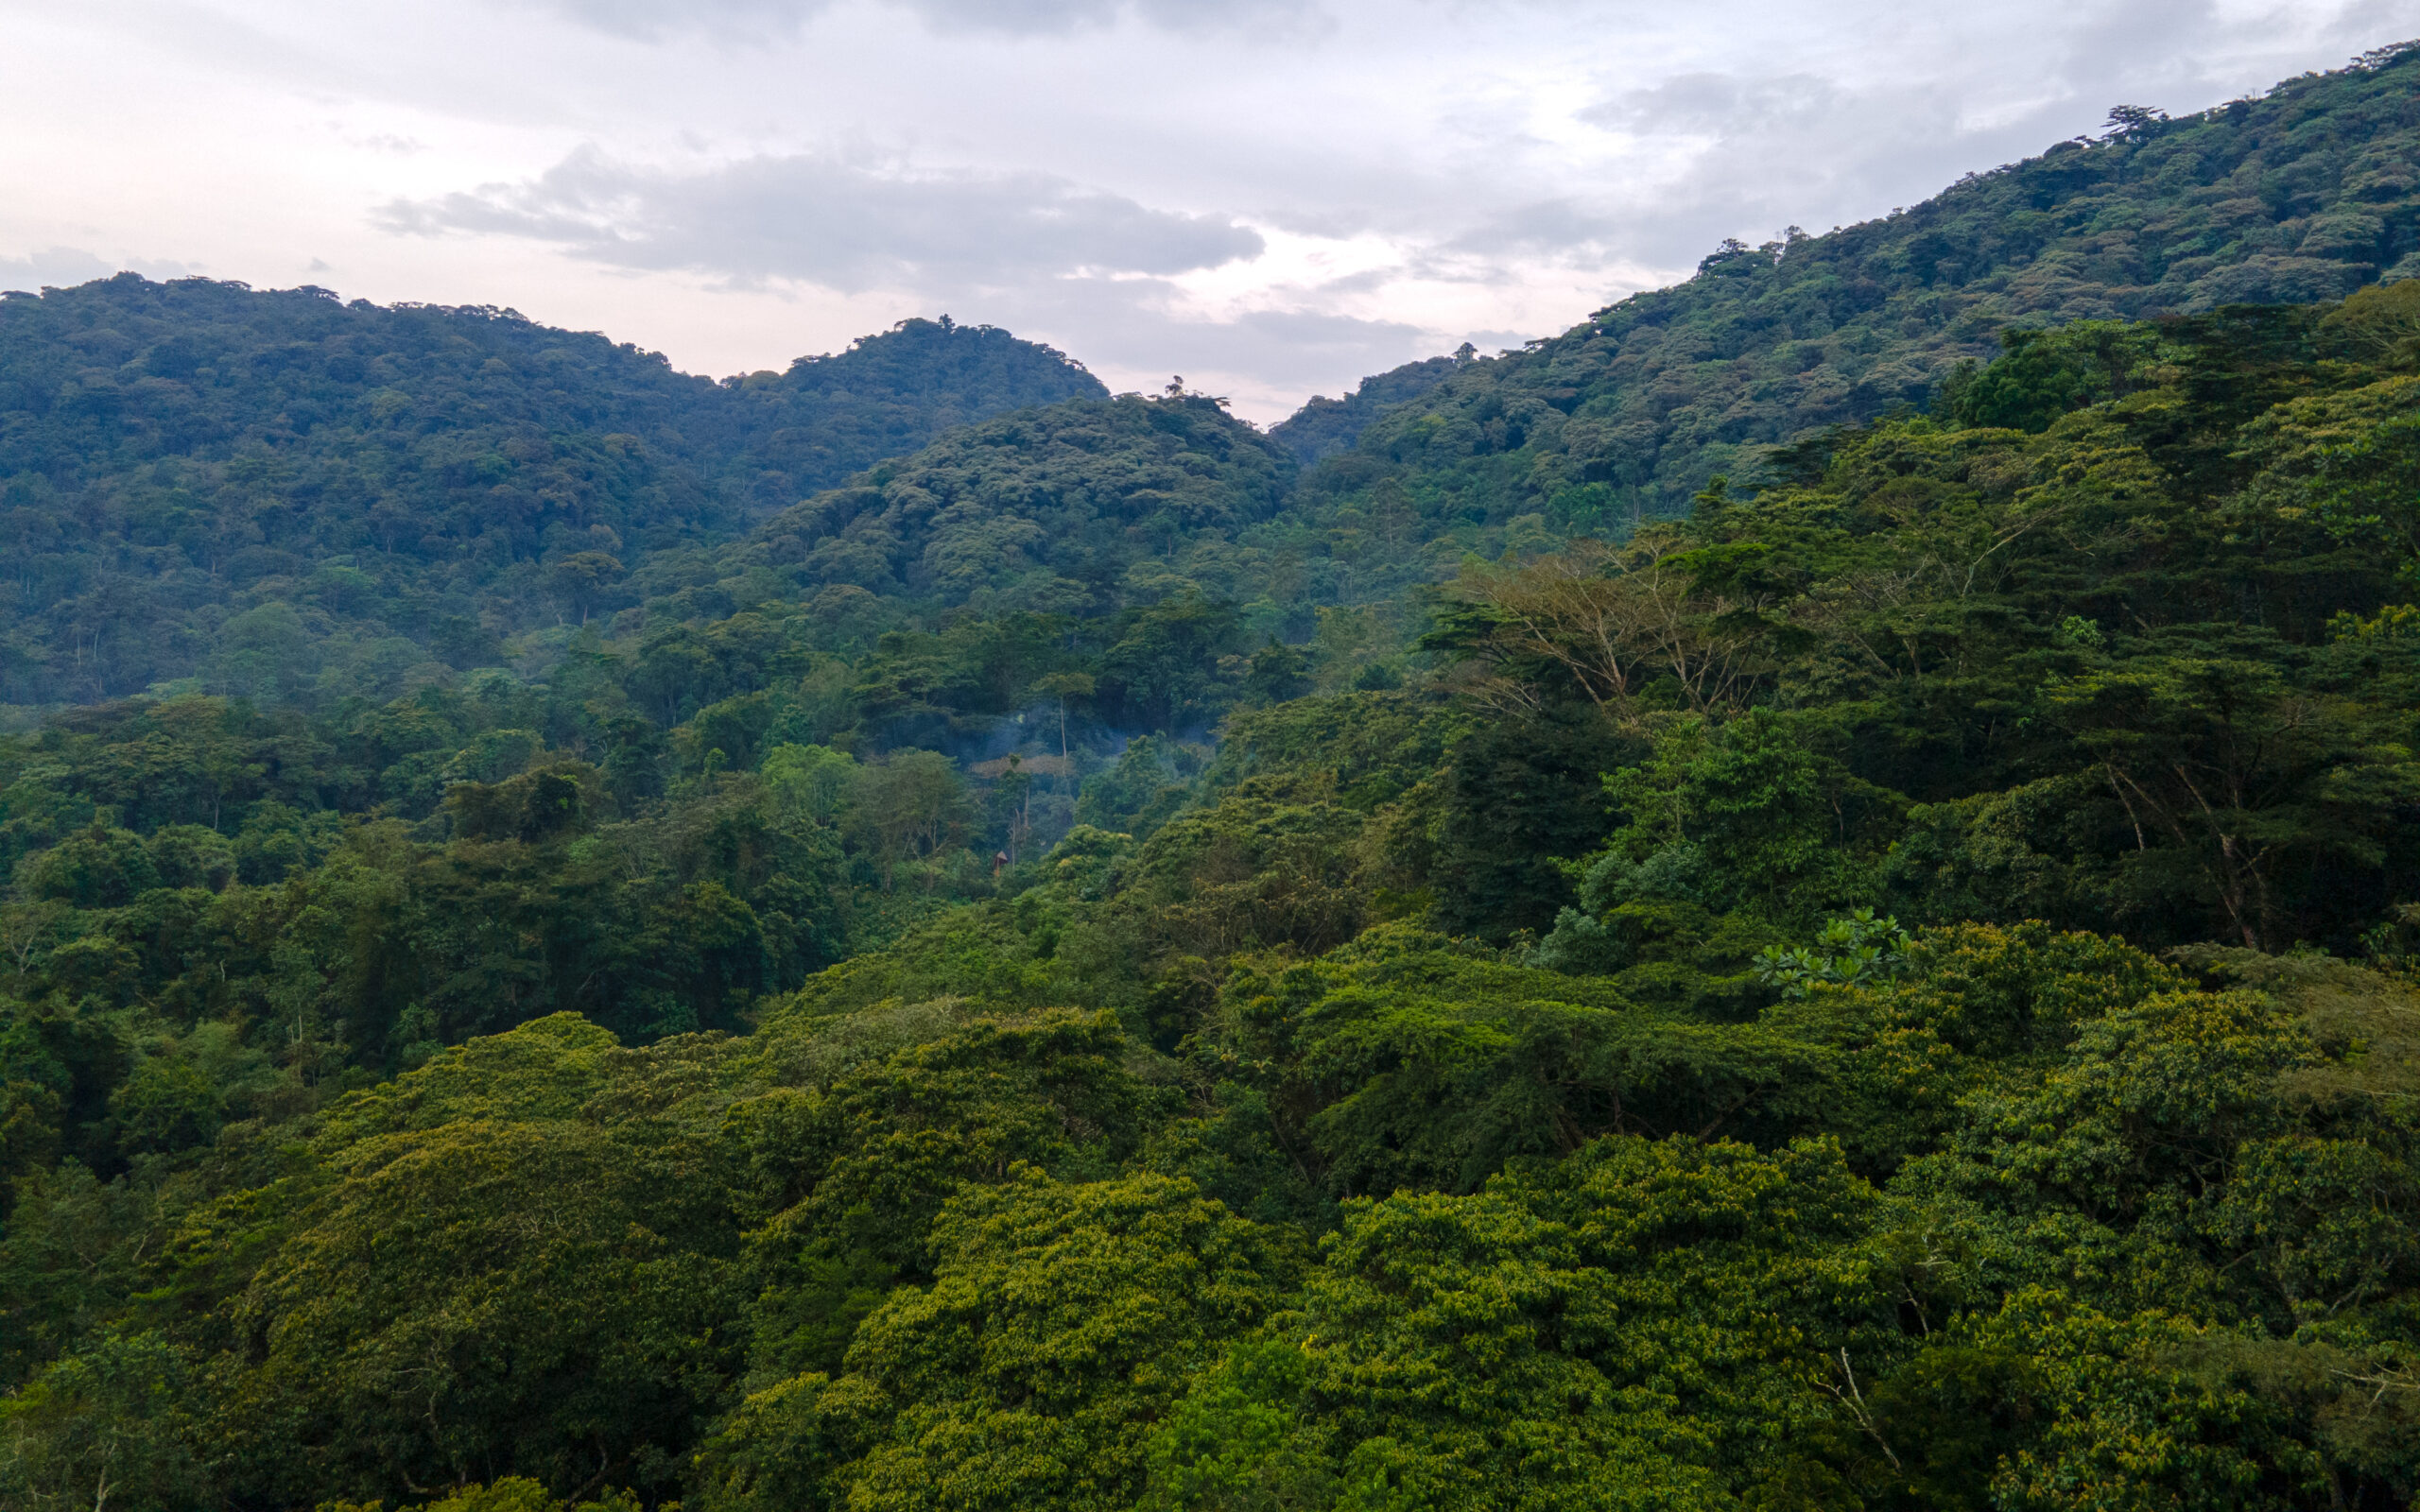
(2304, 194)
(1078, 968)
(1324, 426)
(1674, 1050)
(260, 491)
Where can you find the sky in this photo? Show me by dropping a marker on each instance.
(1270, 197)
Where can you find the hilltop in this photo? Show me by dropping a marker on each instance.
(197, 479)
(1117, 962)
(2305, 193)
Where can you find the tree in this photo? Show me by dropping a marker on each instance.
(582, 577)
(1407, 1066)
(2126, 1427)
(1608, 622)
(1534, 1345)
(109, 1426)
(1163, 671)
(1061, 1323)
(809, 783)
(2354, 458)
(2043, 374)
(1065, 687)
(477, 1295)
(2223, 757)
(910, 804)
(1848, 951)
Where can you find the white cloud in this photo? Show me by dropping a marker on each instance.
(845, 226)
(764, 21)
(63, 267)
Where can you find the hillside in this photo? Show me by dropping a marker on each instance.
(1324, 426)
(1054, 509)
(1096, 965)
(1102, 520)
(271, 493)
(2304, 194)
(203, 483)
(1691, 985)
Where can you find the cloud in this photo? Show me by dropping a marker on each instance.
(388, 142)
(1714, 105)
(1545, 226)
(63, 267)
(1295, 344)
(1269, 357)
(1089, 270)
(56, 268)
(1746, 152)
(841, 225)
(763, 19)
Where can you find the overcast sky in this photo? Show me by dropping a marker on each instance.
(1271, 197)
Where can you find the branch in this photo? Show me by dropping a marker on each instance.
(2384, 1380)
(1854, 1400)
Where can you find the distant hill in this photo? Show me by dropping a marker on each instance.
(1080, 515)
(1052, 510)
(197, 478)
(784, 436)
(1324, 426)
(2306, 194)
(286, 496)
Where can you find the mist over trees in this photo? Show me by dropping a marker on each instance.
(1802, 897)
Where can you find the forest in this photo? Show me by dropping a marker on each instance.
(1807, 895)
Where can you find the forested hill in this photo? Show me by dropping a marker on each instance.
(1096, 966)
(2304, 194)
(282, 496)
(1324, 426)
(197, 479)
(1068, 509)
(1892, 993)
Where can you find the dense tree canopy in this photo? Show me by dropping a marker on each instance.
(2302, 193)
(264, 489)
(1091, 965)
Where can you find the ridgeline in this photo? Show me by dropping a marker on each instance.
(1804, 896)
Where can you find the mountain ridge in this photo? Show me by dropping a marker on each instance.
(174, 457)
(2304, 194)
(1096, 967)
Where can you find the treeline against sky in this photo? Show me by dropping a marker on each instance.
(1662, 1039)
(246, 489)
(1113, 960)
(2305, 194)
(205, 486)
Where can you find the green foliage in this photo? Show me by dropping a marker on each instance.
(1409, 1064)
(2048, 373)
(539, 1295)
(108, 1423)
(2126, 1427)
(1140, 791)
(1061, 1323)
(1852, 952)
(1020, 985)
(1536, 1344)
(1050, 511)
(1324, 426)
(2291, 198)
(298, 498)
